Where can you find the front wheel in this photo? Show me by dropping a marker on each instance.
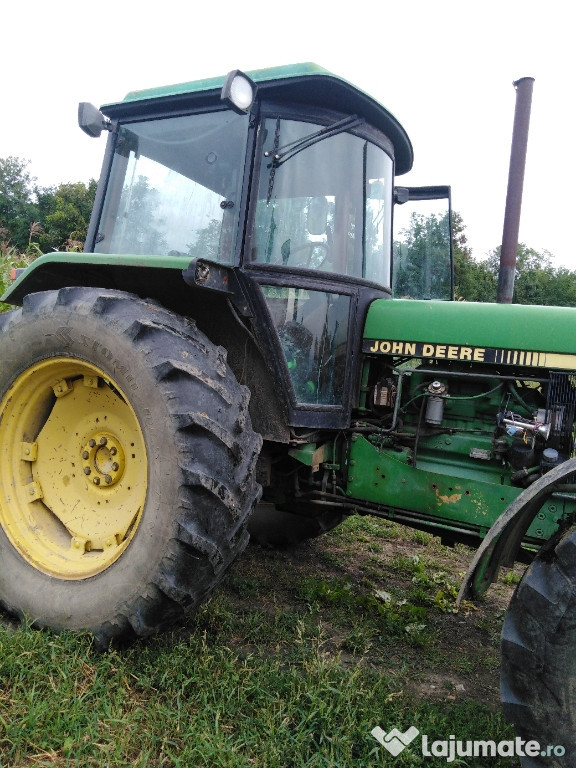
(126, 464)
(539, 655)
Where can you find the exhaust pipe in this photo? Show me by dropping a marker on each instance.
(509, 249)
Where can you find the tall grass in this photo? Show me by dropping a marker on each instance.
(11, 257)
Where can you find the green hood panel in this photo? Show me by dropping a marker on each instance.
(499, 333)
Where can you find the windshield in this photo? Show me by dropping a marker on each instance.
(175, 187)
(326, 206)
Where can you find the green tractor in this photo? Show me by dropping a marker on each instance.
(261, 339)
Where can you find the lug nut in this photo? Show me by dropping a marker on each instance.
(92, 443)
(115, 466)
(113, 451)
(87, 470)
(96, 481)
(85, 454)
(108, 479)
(103, 440)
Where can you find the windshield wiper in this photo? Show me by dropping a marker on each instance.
(280, 156)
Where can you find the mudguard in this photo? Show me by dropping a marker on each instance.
(502, 542)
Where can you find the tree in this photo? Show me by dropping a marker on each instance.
(64, 214)
(142, 230)
(537, 281)
(55, 218)
(17, 202)
(207, 242)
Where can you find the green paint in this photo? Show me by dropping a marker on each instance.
(215, 83)
(505, 326)
(445, 501)
(99, 259)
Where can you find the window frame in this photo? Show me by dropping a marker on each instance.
(317, 117)
(104, 187)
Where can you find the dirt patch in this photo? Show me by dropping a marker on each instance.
(459, 653)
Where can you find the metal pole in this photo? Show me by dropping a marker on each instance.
(514, 194)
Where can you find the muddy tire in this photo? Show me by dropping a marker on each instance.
(538, 683)
(126, 464)
(275, 528)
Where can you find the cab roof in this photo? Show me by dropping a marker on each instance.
(305, 83)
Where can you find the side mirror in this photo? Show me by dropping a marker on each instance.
(401, 195)
(91, 120)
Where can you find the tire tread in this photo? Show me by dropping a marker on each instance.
(217, 448)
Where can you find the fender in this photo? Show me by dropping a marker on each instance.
(178, 285)
(503, 540)
(147, 276)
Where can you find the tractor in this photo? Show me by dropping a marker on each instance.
(261, 339)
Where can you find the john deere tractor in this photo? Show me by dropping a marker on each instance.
(261, 337)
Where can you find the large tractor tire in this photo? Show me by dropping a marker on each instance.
(127, 464)
(538, 682)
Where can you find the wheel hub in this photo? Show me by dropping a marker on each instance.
(103, 459)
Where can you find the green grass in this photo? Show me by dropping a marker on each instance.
(192, 703)
(291, 664)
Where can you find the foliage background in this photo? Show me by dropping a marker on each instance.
(36, 220)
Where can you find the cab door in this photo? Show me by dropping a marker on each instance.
(319, 252)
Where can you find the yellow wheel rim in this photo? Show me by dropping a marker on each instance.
(73, 468)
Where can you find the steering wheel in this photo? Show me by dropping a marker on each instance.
(310, 247)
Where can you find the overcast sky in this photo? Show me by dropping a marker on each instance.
(444, 68)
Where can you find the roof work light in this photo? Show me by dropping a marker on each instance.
(238, 91)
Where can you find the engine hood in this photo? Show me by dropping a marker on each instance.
(502, 334)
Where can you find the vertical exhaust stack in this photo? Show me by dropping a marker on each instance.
(514, 194)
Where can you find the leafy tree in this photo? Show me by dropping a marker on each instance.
(55, 218)
(537, 281)
(207, 242)
(17, 201)
(64, 214)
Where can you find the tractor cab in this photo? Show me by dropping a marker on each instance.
(283, 184)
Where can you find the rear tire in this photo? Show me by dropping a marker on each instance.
(538, 683)
(127, 463)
